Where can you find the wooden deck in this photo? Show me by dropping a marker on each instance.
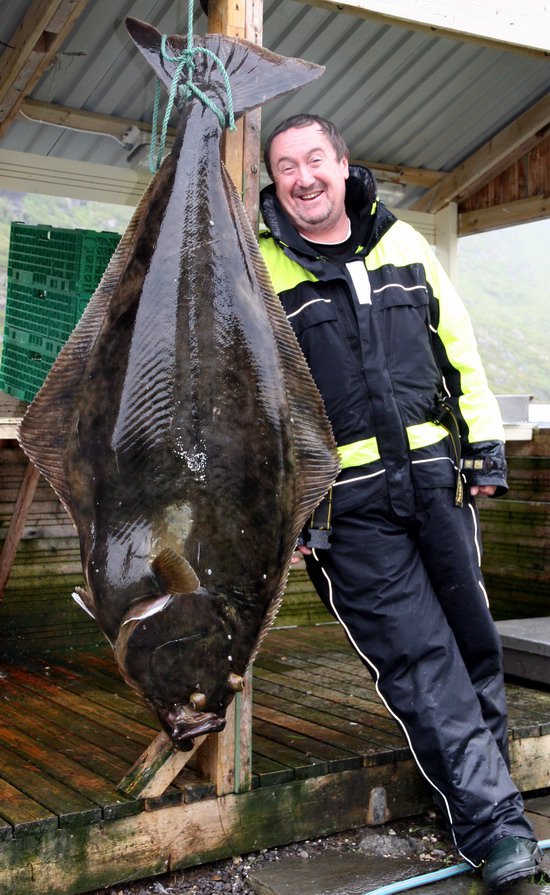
(326, 757)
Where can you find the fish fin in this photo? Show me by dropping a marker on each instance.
(175, 574)
(145, 609)
(45, 427)
(256, 75)
(317, 463)
(83, 599)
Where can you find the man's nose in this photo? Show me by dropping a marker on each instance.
(304, 175)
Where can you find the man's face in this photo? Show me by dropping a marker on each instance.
(310, 182)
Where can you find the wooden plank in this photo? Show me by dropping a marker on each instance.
(21, 815)
(302, 765)
(13, 536)
(56, 742)
(38, 54)
(175, 837)
(370, 755)
(23, 42)
(31, 778)
(378, 729)
(157, 767)
(36, 704)
(337, 759)
(99, 695)
(106, 717)
(77, 783)
(270, 772)
(487, 159)
(509, 214)
(530, 760)
(337, 690)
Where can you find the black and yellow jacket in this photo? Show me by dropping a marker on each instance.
(391, 348)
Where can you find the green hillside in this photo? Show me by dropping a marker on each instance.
(504, 281)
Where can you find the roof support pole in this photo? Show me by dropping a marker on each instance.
(446, 240)
(241, 149)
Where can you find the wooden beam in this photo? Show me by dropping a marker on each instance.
(17, 524)
(23, 43)
(38, 37)
(522, 211)
(424, 177)
(483, 164)
(81, 120)
(156, 768)
(81, 858)
(29, 173)
(506, 164)
(508, 25)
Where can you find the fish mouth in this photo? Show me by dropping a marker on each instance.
(183, 723)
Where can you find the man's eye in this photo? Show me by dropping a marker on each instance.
(315, 162)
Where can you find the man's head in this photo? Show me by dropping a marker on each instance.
(307, 160)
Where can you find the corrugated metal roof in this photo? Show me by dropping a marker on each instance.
(400, 97)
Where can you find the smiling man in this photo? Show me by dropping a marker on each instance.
(419, 434)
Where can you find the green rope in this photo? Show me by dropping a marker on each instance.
(186, 89)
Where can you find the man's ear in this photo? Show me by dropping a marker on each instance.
(345, 167)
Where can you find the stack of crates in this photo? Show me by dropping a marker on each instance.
(52, 273)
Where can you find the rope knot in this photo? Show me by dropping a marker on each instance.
(186, 89)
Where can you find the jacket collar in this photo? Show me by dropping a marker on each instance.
(361, 198)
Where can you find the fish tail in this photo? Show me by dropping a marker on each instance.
(256, 75)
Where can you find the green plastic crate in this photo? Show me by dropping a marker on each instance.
(43, 312)
(52, 273)
(59, 258)
(23, 371)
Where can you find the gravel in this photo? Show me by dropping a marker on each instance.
(422, 837)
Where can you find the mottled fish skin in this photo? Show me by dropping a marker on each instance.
(189, 442)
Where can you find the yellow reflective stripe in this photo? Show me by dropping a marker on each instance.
(424, 434)
(359, 452)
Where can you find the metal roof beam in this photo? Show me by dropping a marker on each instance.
(524, 27)
(32, 48)
(491, 159)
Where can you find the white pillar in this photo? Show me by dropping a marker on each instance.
(446, 239)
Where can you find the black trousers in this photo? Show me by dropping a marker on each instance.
(410, 595)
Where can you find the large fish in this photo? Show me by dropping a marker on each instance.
(180, 425)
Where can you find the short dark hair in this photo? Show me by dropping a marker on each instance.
(305, 120)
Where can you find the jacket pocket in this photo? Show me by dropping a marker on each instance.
(310, 312)
(393, 295)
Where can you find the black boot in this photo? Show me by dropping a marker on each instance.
(510, 859)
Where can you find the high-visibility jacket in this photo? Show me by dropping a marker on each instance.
(389, 343)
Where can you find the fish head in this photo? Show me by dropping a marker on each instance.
(178, 651)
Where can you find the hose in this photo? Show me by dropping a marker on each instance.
(425, 879)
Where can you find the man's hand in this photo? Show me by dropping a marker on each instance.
(305, 551)
(487, 490)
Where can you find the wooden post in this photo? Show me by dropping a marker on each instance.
(446, 240)
(241, 148)
(17, 524)
(223, 758)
